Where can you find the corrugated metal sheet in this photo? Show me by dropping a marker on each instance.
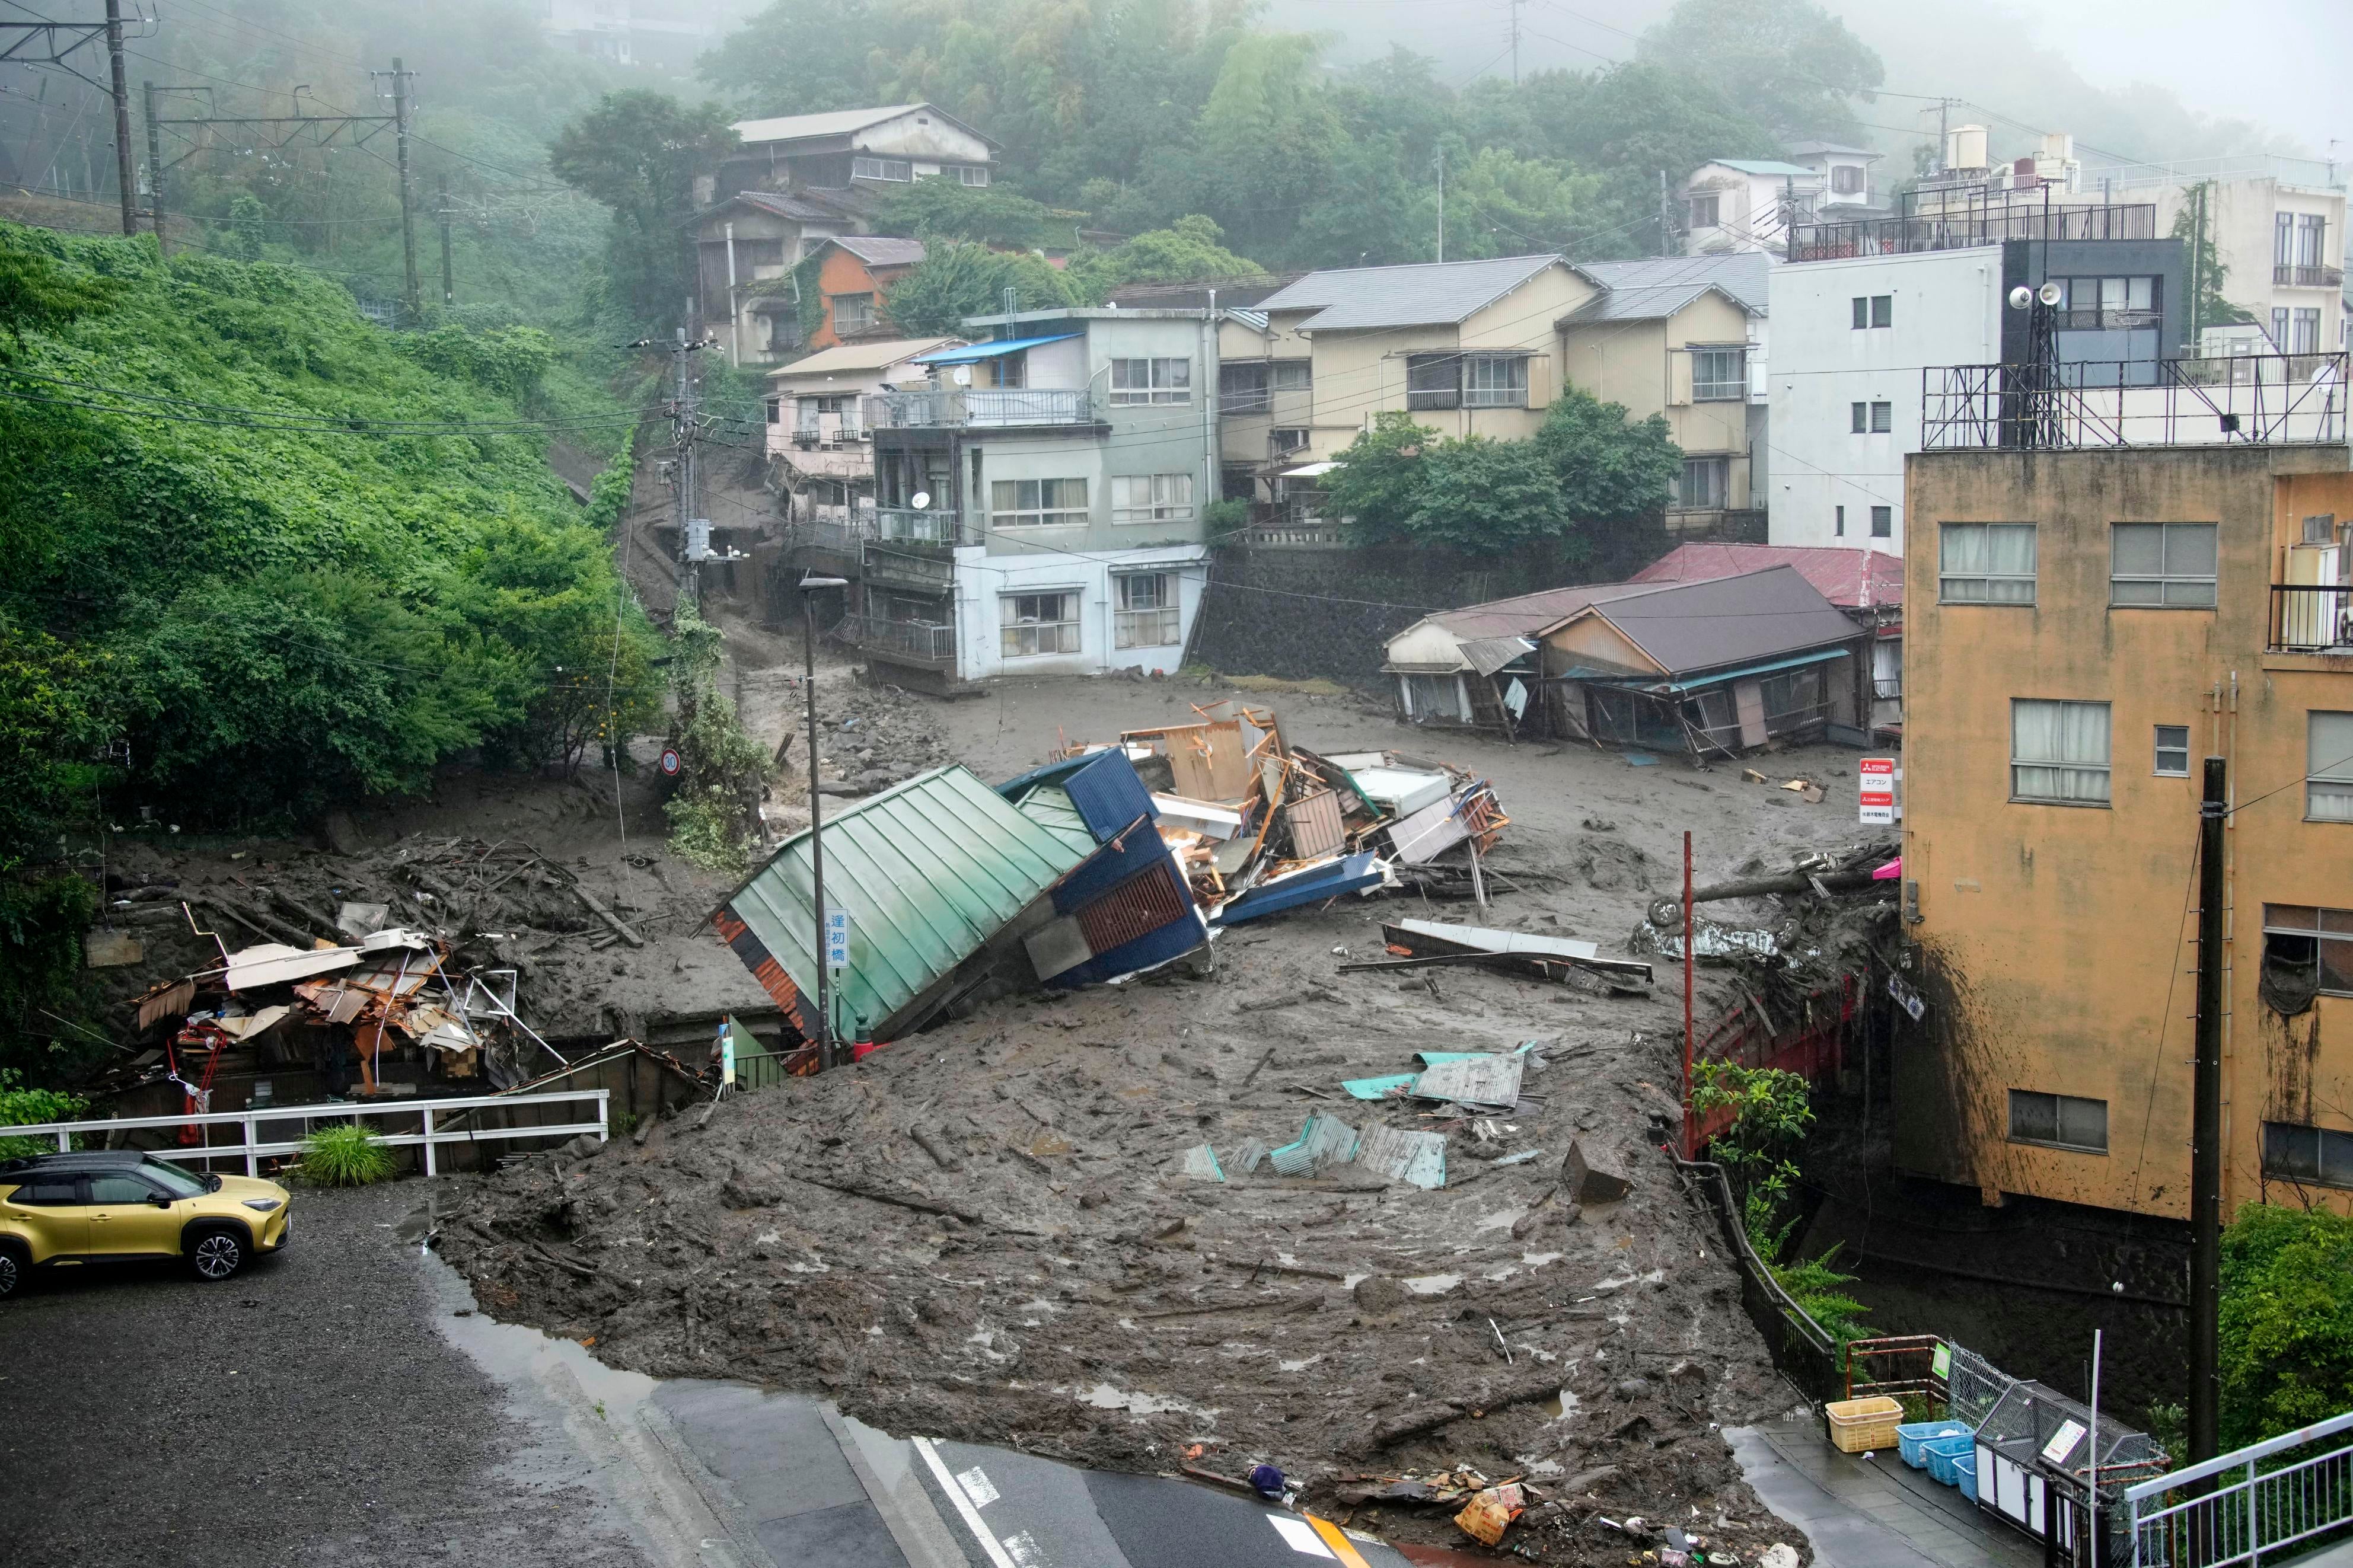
(928, 870)
(1473, 1080)
(1316, 828)
(1487, 655)
(1403, 1154)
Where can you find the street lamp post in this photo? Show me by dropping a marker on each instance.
(826, 1054)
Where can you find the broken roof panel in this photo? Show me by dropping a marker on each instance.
(929, 870)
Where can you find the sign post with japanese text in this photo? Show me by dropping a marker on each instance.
(1876, 778)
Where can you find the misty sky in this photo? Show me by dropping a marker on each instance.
(2281, 63)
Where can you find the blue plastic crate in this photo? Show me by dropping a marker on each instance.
(1909, 1436)
(1948, 1457)
(1968, 1467)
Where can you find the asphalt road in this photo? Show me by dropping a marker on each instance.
(344, 1402)
(306, 1410)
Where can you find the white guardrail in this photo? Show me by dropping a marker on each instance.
(251, 1148)
(2261, 1503)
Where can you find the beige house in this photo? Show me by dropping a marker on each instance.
(818, 435)
(1483, 348)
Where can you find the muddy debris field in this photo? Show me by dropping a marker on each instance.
(991, 1232)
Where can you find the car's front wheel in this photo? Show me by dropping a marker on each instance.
(217, 1254)
(13, 1269)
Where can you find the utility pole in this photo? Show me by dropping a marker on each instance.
(448, 292)
(154, 166)
(1516, 6)
(682, 434)
(401, 78)
(1666, 218)
(122, 94)
(2206, 1128)
(2198, 255)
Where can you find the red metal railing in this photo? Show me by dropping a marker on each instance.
(1813, 1047)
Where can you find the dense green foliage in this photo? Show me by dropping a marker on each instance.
(714, 814)
(1588, 476)
(2287, 1321)
(638, 151)
(288, 617)
(2207, 308)
(959, 279)
(344, 1155)
(23, 1107)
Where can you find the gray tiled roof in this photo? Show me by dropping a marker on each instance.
(1425, 294)
(1649, 290)
(1690, 626)
(878, 250)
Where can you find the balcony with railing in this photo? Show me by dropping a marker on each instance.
(2260, 400)
(981, 408)
(813, 430)
(908, 525)
(925, 643)
(923, 568)
(2312, 618)
(2301, 276)
(1956, 220)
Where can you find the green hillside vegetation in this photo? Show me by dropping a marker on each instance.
(274, 619)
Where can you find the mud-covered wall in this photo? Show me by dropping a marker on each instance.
(2057, 941)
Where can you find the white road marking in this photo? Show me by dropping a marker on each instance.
(1024, 1548)
(964, 1510)
(977, 1486)
(1301, 1535)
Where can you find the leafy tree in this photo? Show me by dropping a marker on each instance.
(1612, 469)
(638, 151)
(1486, 497)
(1266, 139)
(715, 816)
(38, 294)
(1377, 486)
(2207, 306)
(49, 714)
(2286, 1331)
(958, 280)
(1187, 252)
(1789, 65)
(939, 208)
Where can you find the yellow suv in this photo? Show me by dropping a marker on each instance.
(121, 1206)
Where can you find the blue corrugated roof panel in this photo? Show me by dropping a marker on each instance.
(972, 352)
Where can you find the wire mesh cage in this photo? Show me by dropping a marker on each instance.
(1975, 1387)
(2034, 1420)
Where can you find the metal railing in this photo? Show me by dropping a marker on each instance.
(2235, 400)
(924, 641)
(932, 571)
(906, 525)
(1965, 218)
(1808, 1352)
(2273, 1500)
(2311, 618)
(2302, 277)
(252, 1148)
(970, 406)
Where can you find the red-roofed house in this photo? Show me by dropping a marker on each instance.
(1868, 584)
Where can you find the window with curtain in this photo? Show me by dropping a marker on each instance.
(1036, 623)
(1719, 376)
(1862, 311)
(1241, 386)
(896, 169)
(2173, 750)
(1859, 417)
(2168, 566)
(1704, 483)
(1882, 309)
(2058, 752)
(853, 312)
(1882, 522)
(1037, 503)
(2061, 1121)
(1146, 617)
(1294, 374)
(1985, 563)
(1152, 381)
(1151, 498)
(2328, 768)
(1495, 381)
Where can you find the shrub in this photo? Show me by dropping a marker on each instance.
(345, 1155)
(20, 1106)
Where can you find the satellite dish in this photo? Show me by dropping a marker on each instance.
(2021, 297)
(2051, 294)
(920, 499)
(961, 375)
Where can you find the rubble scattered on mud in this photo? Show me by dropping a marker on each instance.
(989, 1233)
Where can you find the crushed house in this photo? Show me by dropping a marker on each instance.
(1717, 666)
(1867, 583)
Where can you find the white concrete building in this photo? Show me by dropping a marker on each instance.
(1833, 483)
(1745, 204)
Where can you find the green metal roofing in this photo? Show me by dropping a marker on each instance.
(929, 870)
(1049, 805)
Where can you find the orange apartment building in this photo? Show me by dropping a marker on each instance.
(854, 274)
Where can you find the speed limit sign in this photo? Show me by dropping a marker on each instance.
(670, 762)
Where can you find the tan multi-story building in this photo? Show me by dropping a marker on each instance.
(2083, 626)
(1483, 348)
